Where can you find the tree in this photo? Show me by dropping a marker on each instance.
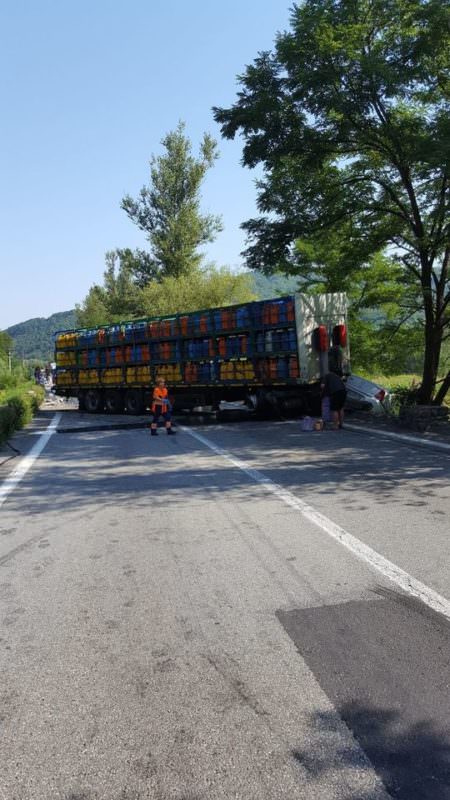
(119, 297)
(6, 344)
(349, 117)
(138, 264)
(168, 209)
(93, 311)
(202, 288)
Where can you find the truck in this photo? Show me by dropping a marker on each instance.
(269, 354)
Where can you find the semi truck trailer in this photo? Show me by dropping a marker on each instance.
(267, 353)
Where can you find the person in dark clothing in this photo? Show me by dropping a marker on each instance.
(333, 386)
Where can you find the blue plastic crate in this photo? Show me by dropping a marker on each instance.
(292, 340)
(242, 317)
(282, 368)
(258, 313)
(283, 311)
(260, 343)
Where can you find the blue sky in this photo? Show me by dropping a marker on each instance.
(88, 89)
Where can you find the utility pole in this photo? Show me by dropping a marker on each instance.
(10, 360)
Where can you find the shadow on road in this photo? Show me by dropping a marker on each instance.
(413, 762)
(120, 467)
(384, 665)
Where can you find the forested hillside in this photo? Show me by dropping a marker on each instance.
(34, 338)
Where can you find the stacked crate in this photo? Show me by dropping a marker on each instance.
(251, 343)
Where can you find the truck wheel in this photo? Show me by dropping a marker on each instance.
(114, 402)
(93, 401)
(134, 402)
(264, 407)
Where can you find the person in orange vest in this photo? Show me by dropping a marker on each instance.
(161, 408)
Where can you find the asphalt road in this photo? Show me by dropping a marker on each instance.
(173, 627)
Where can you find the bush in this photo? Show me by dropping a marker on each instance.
(37, 396)
(19, 409)
(404, 396)
(11, 380)
(21, 405)
(7, 422)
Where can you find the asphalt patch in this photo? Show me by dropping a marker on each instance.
(385, 665)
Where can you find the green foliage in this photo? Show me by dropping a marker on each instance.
(7, 422)
(168, 209)
(137, 263)
(120, 297)
(21, 406)
(17, 407)
(37, 397)
(33, 339)
(202, 288)
(404, 396)
(377, 347)
(11, 379)
(6, 344)
(205, 288)
(349, 118)
(276, 285)
(93, 311)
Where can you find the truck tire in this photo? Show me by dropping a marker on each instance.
(93, 401)
(114, 402)
(263, 405)
(134, 402)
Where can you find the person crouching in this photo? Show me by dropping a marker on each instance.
(161, 408)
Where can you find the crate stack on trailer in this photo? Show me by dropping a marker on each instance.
(254, 343)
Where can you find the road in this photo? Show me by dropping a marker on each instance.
(179, 619)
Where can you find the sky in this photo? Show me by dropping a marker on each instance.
(88, 89)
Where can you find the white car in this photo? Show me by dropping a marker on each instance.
(364, 395)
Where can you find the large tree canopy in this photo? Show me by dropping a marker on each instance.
(349, 117)
(168, 209)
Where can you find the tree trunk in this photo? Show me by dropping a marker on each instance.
(443, 389)
(433, 341)
(433, 334)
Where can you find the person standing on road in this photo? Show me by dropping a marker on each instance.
(161, 408)
(333, 386)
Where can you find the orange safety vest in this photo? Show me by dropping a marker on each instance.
(160, 398)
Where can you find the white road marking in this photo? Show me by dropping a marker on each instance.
(362, 551)
(27, 461)
(402, 437)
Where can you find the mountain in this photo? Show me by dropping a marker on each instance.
(33, 339)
